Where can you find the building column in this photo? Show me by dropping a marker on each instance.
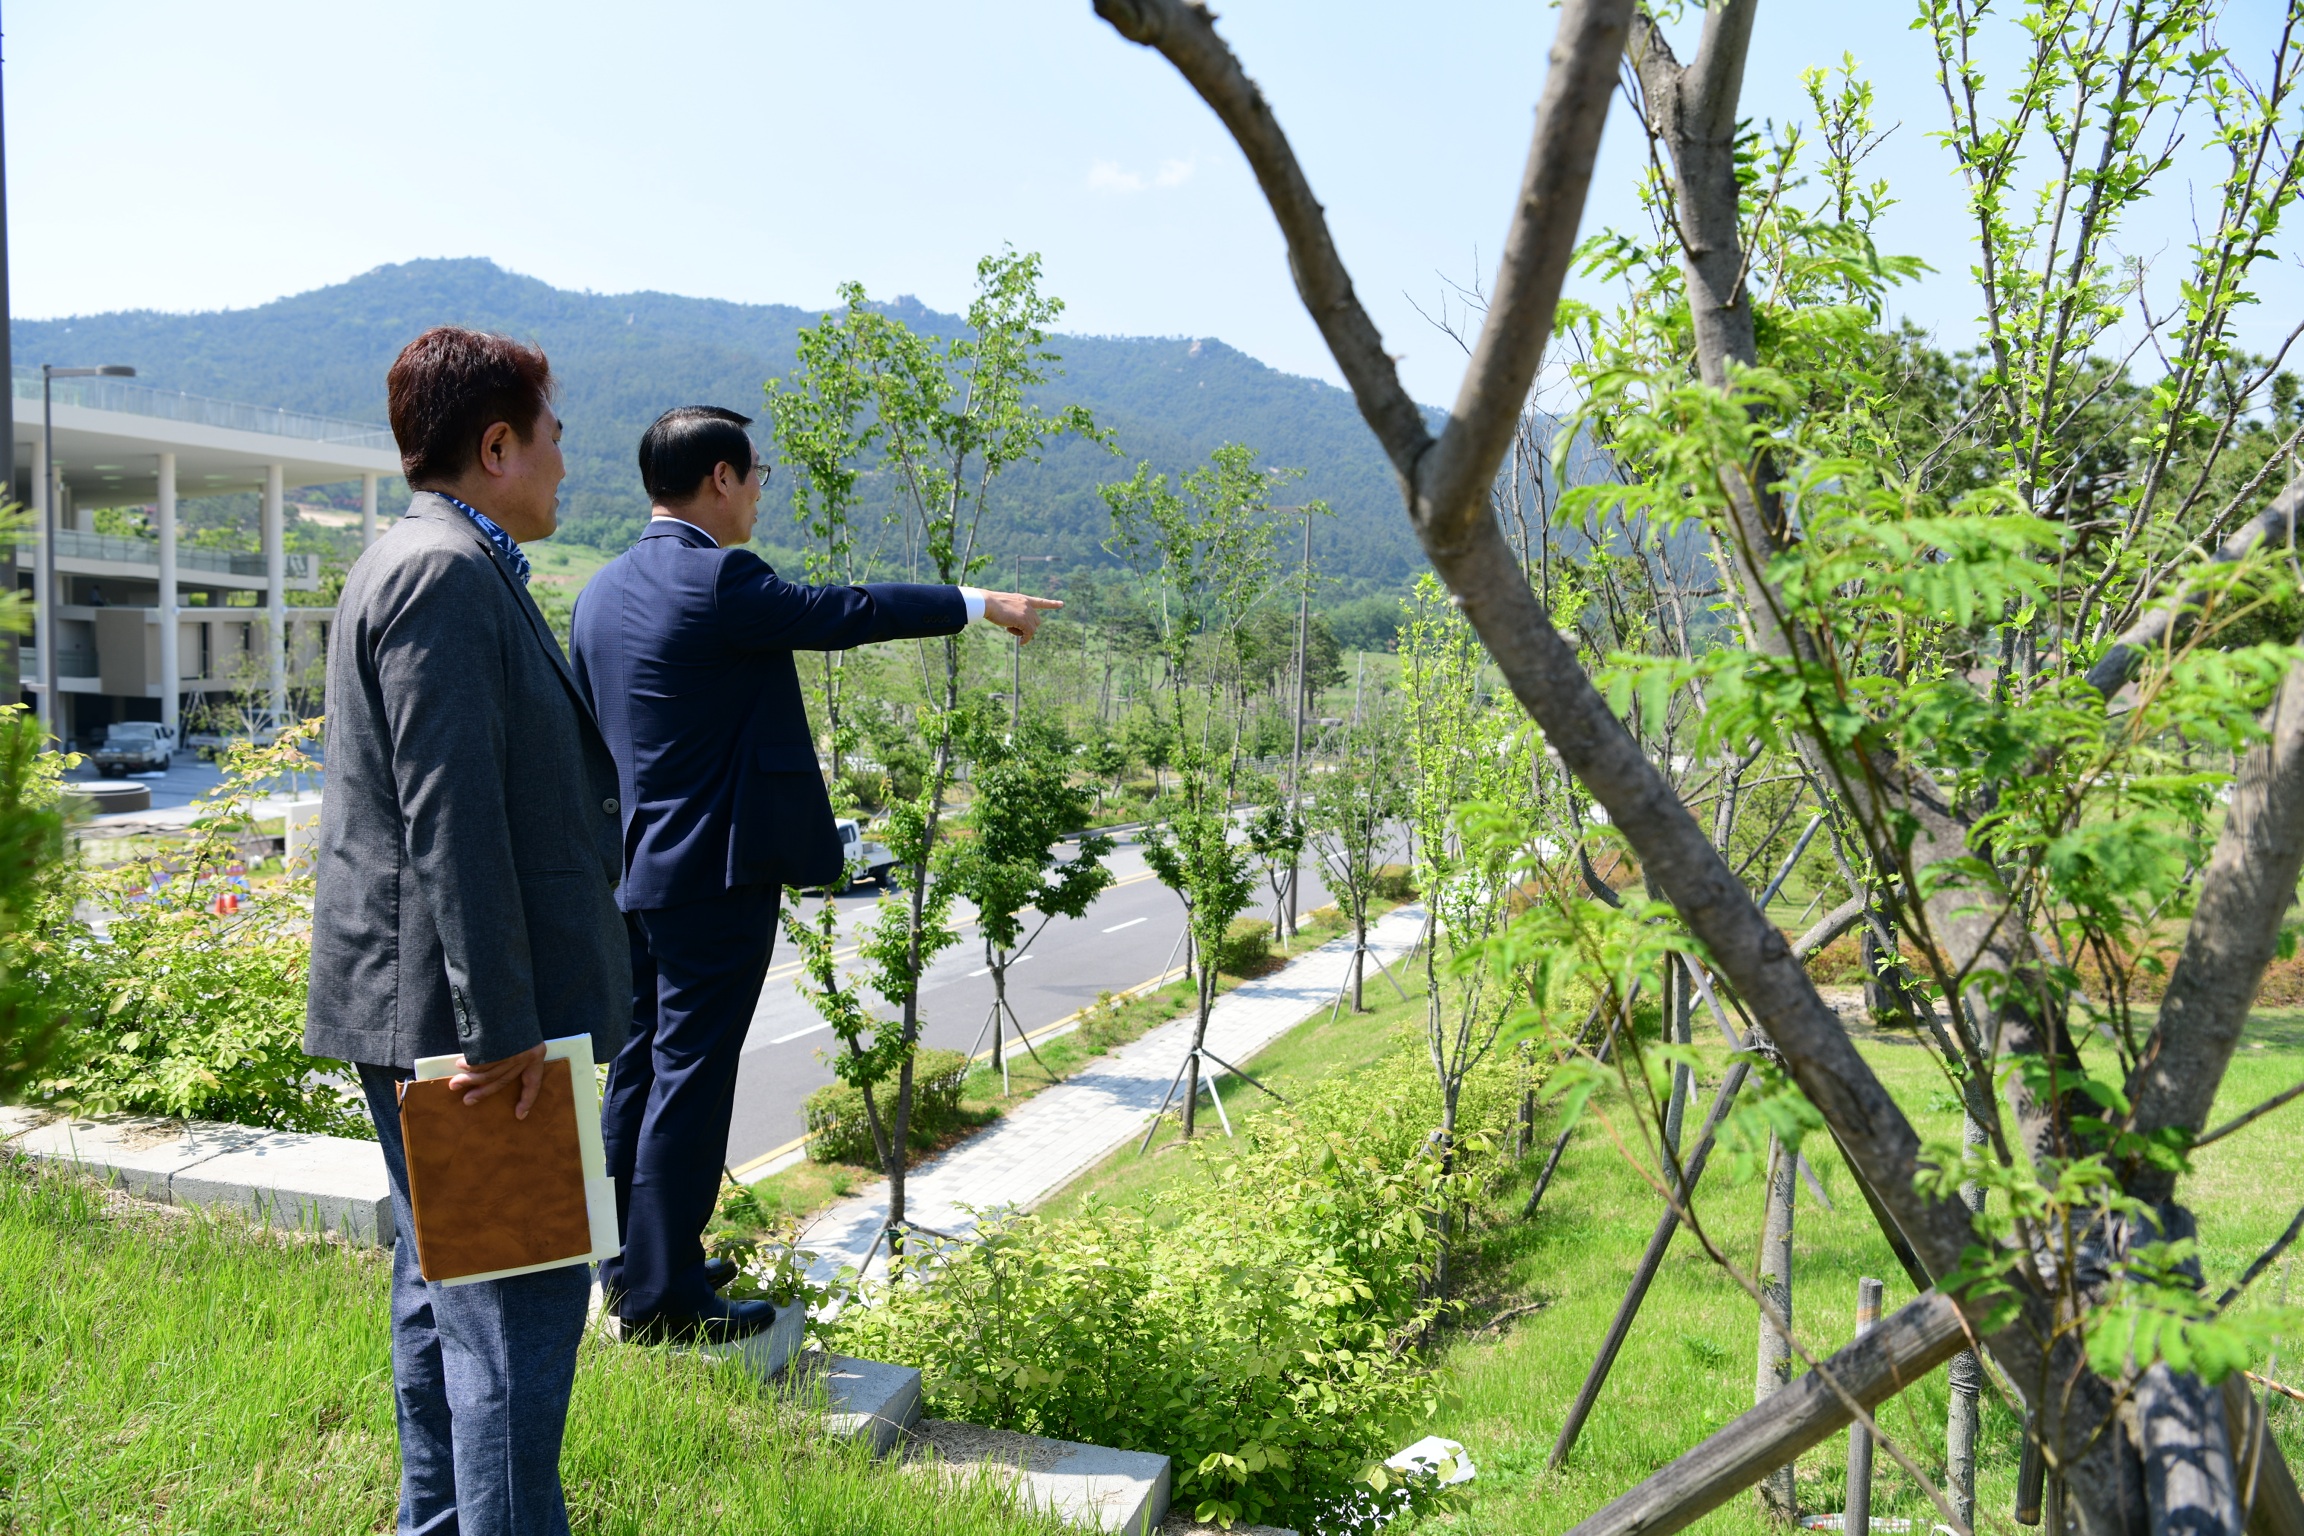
(42, 621)
(367, 510)
(169, 670)
(276, 592)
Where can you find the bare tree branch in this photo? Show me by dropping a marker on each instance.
(2275, 526)
(2235, 929)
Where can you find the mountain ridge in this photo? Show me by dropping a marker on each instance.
(621, 358)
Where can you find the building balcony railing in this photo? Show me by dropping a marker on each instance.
(144, 400)
(71, 543)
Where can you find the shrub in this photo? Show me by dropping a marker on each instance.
(33, 877)
(1260, 1324)
(1247, 945)
(1395, 882)
(184, 1010)
(839, 1131)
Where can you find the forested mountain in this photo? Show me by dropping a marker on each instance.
(621, 358)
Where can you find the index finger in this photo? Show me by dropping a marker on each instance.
(1042, 602)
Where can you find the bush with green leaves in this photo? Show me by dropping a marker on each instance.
(33, 880)
(185, 1010)
(1247, 946)
(1260, 1323)
(839, 1130)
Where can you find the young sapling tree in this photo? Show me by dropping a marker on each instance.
(951, 415)
(1026, 805)
(1209, 545)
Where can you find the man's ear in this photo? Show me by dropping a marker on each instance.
(495, 445)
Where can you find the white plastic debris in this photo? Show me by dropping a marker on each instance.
(1434, 1457)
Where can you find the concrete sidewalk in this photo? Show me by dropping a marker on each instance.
(1059, 1134)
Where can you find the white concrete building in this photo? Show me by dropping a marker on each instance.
(149, 628)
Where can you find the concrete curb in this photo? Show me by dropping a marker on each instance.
(281, 1178)
(1085, 1485)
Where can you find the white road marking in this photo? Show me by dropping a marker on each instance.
(796, 1034)
(1132, 922)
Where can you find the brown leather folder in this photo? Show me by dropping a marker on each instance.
(491, 1192)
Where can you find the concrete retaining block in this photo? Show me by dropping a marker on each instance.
(862, 1398)
(765, 1354)
(282, 1178)
(286, 1179)
(1091, 1486)
(140, 1154)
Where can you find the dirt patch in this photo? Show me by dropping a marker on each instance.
(972, 1445)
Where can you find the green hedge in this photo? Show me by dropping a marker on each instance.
(840, 1132)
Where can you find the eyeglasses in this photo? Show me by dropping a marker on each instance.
(763, 469)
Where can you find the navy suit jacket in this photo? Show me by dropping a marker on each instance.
(685, 651)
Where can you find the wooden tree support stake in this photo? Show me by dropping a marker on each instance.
(1645, 1275)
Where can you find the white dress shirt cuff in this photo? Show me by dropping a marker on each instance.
(974, 598)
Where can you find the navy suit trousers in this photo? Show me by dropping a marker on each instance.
(697, 970)
(481, 1375)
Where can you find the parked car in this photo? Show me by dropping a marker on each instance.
(134, 746)
(867, 860)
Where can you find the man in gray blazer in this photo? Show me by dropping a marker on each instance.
(468, 859)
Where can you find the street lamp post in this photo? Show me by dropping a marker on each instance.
(1296, 753)
(1016, 657)
(50, 641)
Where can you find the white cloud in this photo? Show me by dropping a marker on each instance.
(1111, 176)
(1106, 176)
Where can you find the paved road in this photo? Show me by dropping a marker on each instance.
(1126, 938)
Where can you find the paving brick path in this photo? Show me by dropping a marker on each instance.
(1051, 1138)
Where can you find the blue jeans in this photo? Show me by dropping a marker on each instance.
(481, 1375)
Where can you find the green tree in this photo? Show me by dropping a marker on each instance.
(1209, 545)
(1357, 804)
(950, 415)
(1026, 805)
(1941, 659)
(825, 433)
(1276, 839)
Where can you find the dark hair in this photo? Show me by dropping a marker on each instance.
(683, 446)
(449, 386)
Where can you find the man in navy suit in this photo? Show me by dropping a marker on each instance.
(684, 645)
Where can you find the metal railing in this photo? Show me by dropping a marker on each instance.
(73, 544)
(143, 400)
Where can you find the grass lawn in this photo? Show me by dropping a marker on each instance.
(565, 562)
(169, 1372)
(1688, 1365)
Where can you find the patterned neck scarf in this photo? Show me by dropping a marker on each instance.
(496, 535)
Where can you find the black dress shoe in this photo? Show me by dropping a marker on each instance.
(720, 1273)
(720, 1323)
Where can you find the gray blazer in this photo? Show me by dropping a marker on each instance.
(469, 833)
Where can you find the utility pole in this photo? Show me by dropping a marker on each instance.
(1296, 755)
(1016, 654)
(11, 661)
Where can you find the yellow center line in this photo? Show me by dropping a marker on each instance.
(795, 967)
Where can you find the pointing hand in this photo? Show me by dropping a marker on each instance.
(1017, 613)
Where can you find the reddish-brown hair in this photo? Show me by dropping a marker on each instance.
(449, 386)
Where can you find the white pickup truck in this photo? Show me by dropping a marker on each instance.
(867, 860)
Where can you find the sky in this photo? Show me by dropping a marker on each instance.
(198, 157)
